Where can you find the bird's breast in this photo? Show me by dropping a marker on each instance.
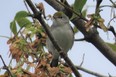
(64, 37)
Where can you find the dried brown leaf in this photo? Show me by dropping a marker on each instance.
(15, 52)
(49, 17)
(9, 41)
(40, 6)
(53, 71)
(101, 24)
(67, 70)
(89, 24)
(32, 65)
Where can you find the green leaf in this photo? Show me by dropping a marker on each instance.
(13, 27)
(21, 14)
(24, 22)
(75, 30)
(84, 12)
(113, 46)
(78, 6)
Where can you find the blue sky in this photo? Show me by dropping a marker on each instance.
(94, 60)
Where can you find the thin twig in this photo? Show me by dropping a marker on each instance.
(111, 20)
(81, 39)
(67, 7)
(45, 26)
(106, 6)
(111, 28)
(113, 3)
(93, 35)
(82, 60)
(5, 67)
(90, 72)
(28, 9)
(87, 71)
(4, 36)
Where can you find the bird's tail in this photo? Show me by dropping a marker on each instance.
(54, 63)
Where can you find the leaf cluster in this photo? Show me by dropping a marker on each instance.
(26, 47)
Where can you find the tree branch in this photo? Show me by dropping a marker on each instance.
(45, 26)
(92, 35)
(79, 67)
(90, 72)
(81, 39)
(5, 67)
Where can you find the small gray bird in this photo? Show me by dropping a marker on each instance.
(62, 33)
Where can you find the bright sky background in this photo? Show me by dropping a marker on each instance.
(94, 60)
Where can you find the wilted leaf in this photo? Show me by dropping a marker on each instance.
(101, 24)
(53, 71)
(89, 24)
(40, 6)
(21, 14)
(15, 52)
(13, 27)
(67, 69)
(113, 46)
(32, 65)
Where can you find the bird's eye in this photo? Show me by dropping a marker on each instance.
(60, 17)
